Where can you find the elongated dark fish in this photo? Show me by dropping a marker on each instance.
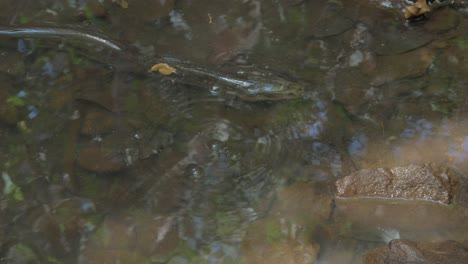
(250, 85)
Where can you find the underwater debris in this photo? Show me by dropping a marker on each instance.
(163, 68)
(419, 8)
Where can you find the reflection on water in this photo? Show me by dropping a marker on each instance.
(103, 162)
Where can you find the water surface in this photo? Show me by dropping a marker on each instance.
(102, 161)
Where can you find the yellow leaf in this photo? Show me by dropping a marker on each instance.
(163, 68)
(419, 8)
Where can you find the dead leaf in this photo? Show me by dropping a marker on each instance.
(163, 68)
(419, 8)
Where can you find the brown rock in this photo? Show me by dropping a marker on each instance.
(272, 241)
(59, 99)
(97, 121)
(303, 203)
(114, 233)
(395, 38)
(21, 253)
(61, 225)
(92, 86)
(97, 9)
(421, 182)
(282, 252)
(325, 20)
(12, 64)
(9, 113)
(98, 256)
(148, 10)
(293, 2)
(100, 158)
(411, 218)
(408, 65)
(131, 238)
(406, 252)
(444, 20)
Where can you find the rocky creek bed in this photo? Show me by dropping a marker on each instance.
(102, 164)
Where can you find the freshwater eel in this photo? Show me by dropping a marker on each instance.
(251, 85)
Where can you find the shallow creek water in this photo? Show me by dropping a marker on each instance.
(104, 162)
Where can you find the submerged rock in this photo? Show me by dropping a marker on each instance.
(21, 253)
(97, 121)
(408, 65)
(303, 203)
(443, 20)
(121, 149)
(9, 113)
(405, 251)
(101, 158)
(91, 255)
(370, 218)
(12, 64)
(273, 241)
(131, 238)
(326, 20)
(420, 182)
(398, 39)
(148, 11)
(59, 227)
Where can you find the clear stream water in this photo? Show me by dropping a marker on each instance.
(103, 162)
